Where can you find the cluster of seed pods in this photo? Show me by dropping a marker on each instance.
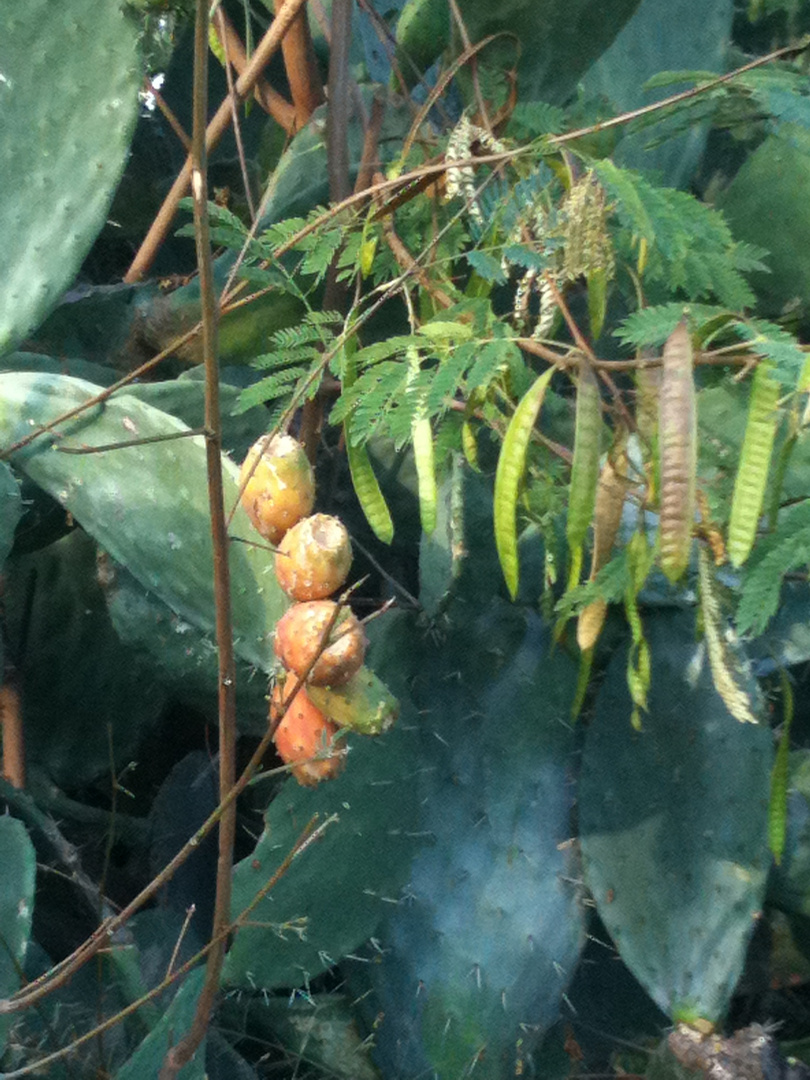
(318, 642)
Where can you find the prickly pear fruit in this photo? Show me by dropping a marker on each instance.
(304, 737)
(314, 558)
(300, 639)
(364, 703)
(281, 488)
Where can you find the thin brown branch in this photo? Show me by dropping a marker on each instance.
(172, 120)
(337, 158)
(62, 972)
(11, 726)
(408, 263)
(394, 187)
(483, 114)
(102, 396)
(273, 103)
(184, 1051)
(584, 346)
(237, 128)
(222, 118)
(371, 146)
(309, 834)
(301, 66)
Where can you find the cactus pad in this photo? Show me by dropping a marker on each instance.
(674, 825)
(69, 100)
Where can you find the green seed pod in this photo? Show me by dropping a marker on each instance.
(677, 447)
(368, 491)
(422, 438)
(755, 460)
(511, 466)
(585, 468)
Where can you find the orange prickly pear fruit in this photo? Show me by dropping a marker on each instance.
(304, 737)
(313, 558)
(300, 637)
(281, 488)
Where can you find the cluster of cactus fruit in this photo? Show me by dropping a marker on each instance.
(319, 643)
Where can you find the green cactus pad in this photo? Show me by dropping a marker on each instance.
(178, 653)
(82, 690)
(673, 825)
(147, 1061)
(69, 101)
(10, 509)
(147, 505)
(475, 958)
(340, 886)
(18, 859)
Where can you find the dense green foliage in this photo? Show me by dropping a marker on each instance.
(550, 364)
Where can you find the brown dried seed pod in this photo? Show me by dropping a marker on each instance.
(314, 558)
(299, 640)
(281, 488)
(677, 439)
(304, 737)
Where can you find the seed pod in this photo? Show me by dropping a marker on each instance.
(299, 640)
(281, 488)
(755, 460)
(314, 558)
(511, 465)
(728, 665)
(368, 491)
(585, 467)
(304, 737)
(677, 427)
(607, 517)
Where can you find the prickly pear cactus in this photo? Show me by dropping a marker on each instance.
(474, 959)
(69, 100)
(673, 823)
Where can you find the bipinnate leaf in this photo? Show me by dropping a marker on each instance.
(674, 825)
(69, 99)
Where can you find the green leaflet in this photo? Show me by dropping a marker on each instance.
(677, 425)
(727, 665)
(511, 465)
(585, 468)
(368, 491)
(755, 460)
(777, 804)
